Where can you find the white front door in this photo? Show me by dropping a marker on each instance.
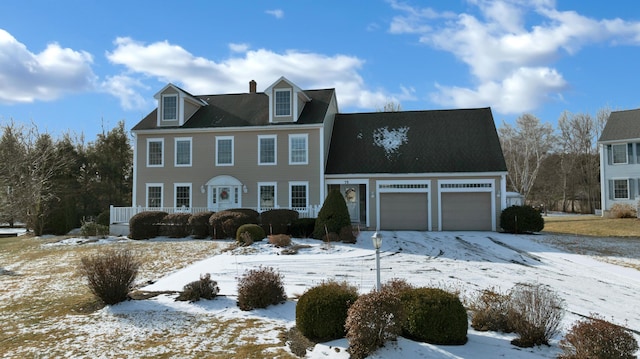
(223, 197)
(351, 195)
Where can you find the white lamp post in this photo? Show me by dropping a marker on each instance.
(377, 242)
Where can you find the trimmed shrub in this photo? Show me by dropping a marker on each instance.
(199, 224)
(333, 216)
(144, 225)
(346, 235)
(203, 288)
(535, 312)
(372, 320)
(175, 225)
(297, 342)
(595, 338)
(249, 233)
(103, 218)
(302, 227)
(259, 288)
(280, 240)
(434, 316)
(521, 219)
(278, 221)
(321, 311)
(110, 274)
(490, 311)
(396, 286)
(225, 224)
(90, 229)
(622, 210)
(253, 215)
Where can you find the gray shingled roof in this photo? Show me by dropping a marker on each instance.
(238, 110)
(439, 141)
(622, 125)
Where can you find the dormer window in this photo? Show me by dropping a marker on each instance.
(169, 107)
(283, 102)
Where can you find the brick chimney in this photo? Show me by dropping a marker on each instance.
(252, 86)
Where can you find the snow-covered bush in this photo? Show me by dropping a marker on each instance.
(204, 288)
(598, 339)
(535, 313)
(110, 274)
(260, 288)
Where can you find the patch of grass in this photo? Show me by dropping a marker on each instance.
(591, 225)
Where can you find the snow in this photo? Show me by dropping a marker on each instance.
(390, 140)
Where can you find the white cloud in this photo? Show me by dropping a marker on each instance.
(123, 87)
(171, 63)
(27, 77)
(239, 47)
(508, 61)
(277, 13)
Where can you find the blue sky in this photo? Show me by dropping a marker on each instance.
(80, 65)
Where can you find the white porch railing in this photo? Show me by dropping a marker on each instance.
(124, 214)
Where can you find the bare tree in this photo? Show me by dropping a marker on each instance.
(525, 146)
(390, 106)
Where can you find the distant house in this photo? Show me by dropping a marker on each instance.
(287, 147)
(619, 147)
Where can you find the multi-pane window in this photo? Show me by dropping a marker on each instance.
(154, 152)
(619, 153)
(267, 193)
(224, 151)
(267, 150)
(298, 195)
(621, 189)
(169, 107)
(283, 102)
(183, 195)
(183, 151)
(298, 149)
(154, 196)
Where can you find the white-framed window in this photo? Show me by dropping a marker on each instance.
(224, 150)
(155, 151)
(298, 149)
(298, 194)
(267, 195)
(169, 107)
(154, 194)
(283, 102)
(267, 149)
(182, 195)
(183, 151)
(619, 153)
(621, 189)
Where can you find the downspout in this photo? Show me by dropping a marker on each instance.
(135, 170)
(322, 166)
(603, 183)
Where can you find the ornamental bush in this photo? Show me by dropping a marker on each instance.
(333, 216)
(110, 274)
(225, 224)
(175, 225)
(535, 313)
(249, 233)
(199, 224)
(204, 288)
(259, 288)
(321, 311)
(278, 221)
(434, 316)
(622, 210)
(521, 219)
(302, 227)
(90, 229)
(490, 311)
(144, 225)
(595, 338)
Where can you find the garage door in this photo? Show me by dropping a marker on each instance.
(466, 211)
(404, 211)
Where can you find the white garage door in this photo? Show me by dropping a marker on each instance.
(404, 211)
(466, 211)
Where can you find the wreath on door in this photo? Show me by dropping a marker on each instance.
(224, 194)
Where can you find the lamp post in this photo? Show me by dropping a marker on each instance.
(377, 242)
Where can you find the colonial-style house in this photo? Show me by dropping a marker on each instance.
(286, 147)
(619, 147)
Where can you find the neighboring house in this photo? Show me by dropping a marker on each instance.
(619, 147)
(286, 147)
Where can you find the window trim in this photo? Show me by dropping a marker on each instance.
(218, 140)
(275, 150)
(162, 118)
(175, 151)
(275, 102)
(626, 154)
(299, 183)
(161, 140)
(175, 193)
(275, 193)
(306, 148)
(146, 193)
(626, 180)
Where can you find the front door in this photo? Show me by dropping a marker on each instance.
(351, 195)
(223, 197)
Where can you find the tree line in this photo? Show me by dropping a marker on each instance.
(559, 168)
(53, 184)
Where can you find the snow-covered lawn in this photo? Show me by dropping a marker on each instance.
(587, 280)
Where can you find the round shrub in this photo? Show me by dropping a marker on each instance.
(175, 225)
(199, 224)
(321, 311)
(259, 288)
(396, 286)
(204, 288)
(225, 224)
(373, 320)
(110, 274)
(249, 233)
(434, 316)
(333, 216)
(253, 215)
(90, 229)
(144, 225)
(302, 227)
(598, 339)
(103, 218)
(521, 219)
(277, 221)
